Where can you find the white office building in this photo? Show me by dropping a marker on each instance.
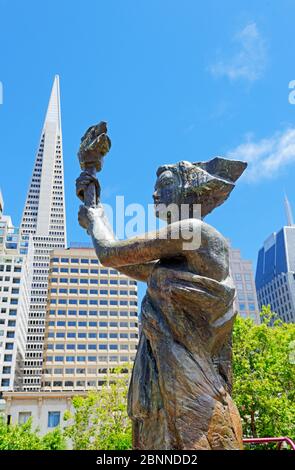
(241, 270)
(44, 219)
(92, 323)
(16, 256)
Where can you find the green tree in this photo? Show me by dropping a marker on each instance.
(100, 419)
(23, 437)
(264, 375)
(54, 440)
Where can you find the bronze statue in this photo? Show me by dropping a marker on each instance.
(180, 390)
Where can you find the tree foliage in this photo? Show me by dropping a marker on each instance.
(23, 437)
(100, 419)
(264, 375)
(264, 391)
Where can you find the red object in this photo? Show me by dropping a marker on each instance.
(267, 440)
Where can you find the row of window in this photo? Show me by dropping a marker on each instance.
(8, 268)
(122, 359)
(240, 286)
(89, 346)
(91, 335)
(93, 313)
(92, 324)
(12, 311)
(12, 300)
(90, 291)
(75, 280)
(112, 282)
(82, 384)
(52, 421)
(275, 284)
(15, 280)
(77, 261)
(249, 296)
(10, 323)
(9, 334)
(243, 307)
(86, 302)
(251, 315)
(79, 270)
(12, 290)
(83, 371)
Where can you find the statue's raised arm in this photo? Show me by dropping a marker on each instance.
(179, 396)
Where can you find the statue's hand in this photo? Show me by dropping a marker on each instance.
(83, 182)
(87, 215)
(84, 217)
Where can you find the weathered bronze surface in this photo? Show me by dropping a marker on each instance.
(180, 390)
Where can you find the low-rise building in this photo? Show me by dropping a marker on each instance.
(46, 410)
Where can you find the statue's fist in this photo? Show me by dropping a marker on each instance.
(83, 182)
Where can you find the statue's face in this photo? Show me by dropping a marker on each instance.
(166, 191)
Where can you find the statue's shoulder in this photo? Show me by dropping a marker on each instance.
(212, 232)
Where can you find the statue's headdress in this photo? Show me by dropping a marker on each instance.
(206, 183)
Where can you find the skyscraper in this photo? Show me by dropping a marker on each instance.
(91, 324)
(16, 257)
(241, 270)
(44, 219)
(275, 272)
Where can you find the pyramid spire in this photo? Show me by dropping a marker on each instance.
(44, 219)
(53, 110)
(288, 210)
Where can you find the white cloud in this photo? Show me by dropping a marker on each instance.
(266, 157)
(249, 61)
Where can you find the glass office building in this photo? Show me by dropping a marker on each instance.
(275, 273)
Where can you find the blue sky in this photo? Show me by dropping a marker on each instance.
(175, 80)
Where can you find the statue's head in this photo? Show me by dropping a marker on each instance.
(206, 183)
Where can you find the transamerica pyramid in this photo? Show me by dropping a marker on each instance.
(44, 218)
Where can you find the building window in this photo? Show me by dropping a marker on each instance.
(59, 358)
(5, 382)
(24, 416)
(53, 419)
(70, 358)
